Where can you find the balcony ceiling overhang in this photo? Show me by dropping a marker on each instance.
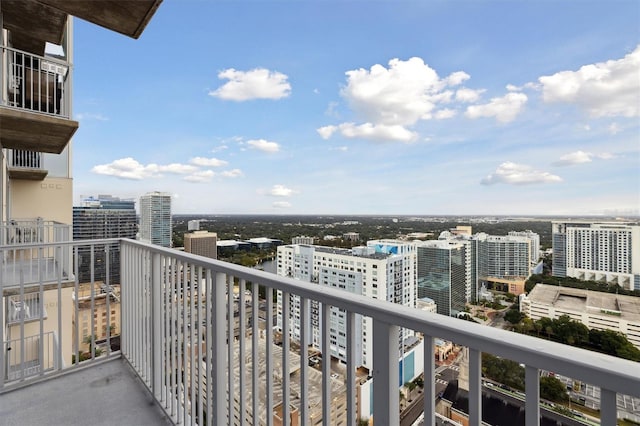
(35, 132)
(34, 22)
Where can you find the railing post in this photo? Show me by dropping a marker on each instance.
(532, 391)
(386, 400)
(429, 381)
(156, 335)
(475, 387)
(608, 407)
(218, 354)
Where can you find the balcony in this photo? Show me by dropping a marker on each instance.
(34, 255)
(23, 164)
(34, 102)
(178, 358)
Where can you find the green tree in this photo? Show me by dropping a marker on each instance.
(553, 389)
(513, 316)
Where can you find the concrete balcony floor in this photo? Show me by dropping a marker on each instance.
(104, 394)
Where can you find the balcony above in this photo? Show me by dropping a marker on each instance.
(25, 165)
(34, 103)
(22, 129)
(34, 22)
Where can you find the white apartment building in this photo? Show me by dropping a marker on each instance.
(384, 269)
(155, 218)
(598, 251)
(602, 311)
(535, 243)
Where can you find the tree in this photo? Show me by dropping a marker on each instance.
(553, 389)
(613, 343)
(513, 316)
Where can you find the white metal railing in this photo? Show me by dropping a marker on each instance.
(34, 251)
(45, 327)
(176, 330)
(34, 83)
(202, 347)
(30, 356)
(22, 159)
(29, 307)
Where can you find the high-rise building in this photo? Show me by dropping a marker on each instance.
(598, 251)
(203, 243)
(499, 262)
(98, 218)
(535, 243)
(384, 269)
(444, 275)
(155, 218)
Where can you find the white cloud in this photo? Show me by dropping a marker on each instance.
(518, 174)
(402, 94)
(605, 156)
(281, 191)
(201, 176)
(176, 168)
(207, 162)
(220, 148)
(457, 77)
(604, 89)
(581, 157)
(578, 157)
(445, 113)
(129, 168)
(380, 132)
(390, 99)
(339, 148)
(326, 131)
(281, 204)
(83, 116)
(613, 128)
(504, 109)
(232, 173)
(468, 95)
(259, 83)
(264, 145)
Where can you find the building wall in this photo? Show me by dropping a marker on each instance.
(50, 199)
(155, 218)
(598, 251)
(385, 271)
(202, 243)
(443, 275)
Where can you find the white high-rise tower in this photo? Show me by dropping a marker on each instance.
(155, 218)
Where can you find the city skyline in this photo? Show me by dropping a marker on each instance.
(285, 108)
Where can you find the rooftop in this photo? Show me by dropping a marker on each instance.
(583, 300)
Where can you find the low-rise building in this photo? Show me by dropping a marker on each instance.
(602, 311)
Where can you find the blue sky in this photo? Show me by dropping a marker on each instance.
(366, 107)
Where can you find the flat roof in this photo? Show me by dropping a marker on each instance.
(575, 299)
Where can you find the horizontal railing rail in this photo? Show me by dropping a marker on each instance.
(34, 83)
(200, 333)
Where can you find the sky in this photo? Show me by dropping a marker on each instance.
(365, 107)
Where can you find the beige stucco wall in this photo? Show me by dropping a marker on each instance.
(51, 199)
